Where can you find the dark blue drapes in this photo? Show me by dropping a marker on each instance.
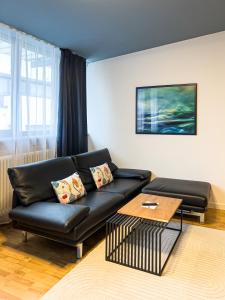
(72, 119)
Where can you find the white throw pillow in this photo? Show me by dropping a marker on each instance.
(69, 189)
(101, 175)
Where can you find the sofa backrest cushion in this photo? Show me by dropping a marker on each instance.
(32, 182)
(88, 160)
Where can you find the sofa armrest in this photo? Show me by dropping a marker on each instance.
(50, 216)
(132, 174)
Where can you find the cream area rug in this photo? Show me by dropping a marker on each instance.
(195, 270)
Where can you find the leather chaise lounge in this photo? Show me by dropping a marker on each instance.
(195, 195)
(36, 209)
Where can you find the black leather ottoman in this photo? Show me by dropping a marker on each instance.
(195, 194)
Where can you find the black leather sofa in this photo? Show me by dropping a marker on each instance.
(37, 210)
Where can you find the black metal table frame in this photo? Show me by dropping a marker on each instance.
(137, 242)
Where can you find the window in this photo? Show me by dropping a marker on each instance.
(36, 94)
(5, 84)
(29, 71)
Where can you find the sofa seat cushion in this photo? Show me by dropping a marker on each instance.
(51, 216)
(32, 182)
(126, 187)
(102, 205)
(193, 193)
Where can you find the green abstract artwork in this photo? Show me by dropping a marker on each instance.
(169, 109)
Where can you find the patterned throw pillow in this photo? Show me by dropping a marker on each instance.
(69, 189)
(101, 175)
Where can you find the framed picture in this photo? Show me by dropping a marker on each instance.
(167, 109)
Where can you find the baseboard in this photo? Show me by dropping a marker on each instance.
(216, 205)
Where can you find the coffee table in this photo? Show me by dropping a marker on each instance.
(140, 237)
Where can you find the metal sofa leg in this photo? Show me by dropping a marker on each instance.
(194, 213)
(200, 215)
(24, 236)
(79, 250)
(202, 218)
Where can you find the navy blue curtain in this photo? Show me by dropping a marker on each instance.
(72, 119)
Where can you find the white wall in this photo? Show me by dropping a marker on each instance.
(111, 110)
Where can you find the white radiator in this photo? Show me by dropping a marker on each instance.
(5, 187)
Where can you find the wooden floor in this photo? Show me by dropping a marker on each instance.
(28, 270)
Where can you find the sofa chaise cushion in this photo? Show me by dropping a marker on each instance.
(193, 193)
(51, 216)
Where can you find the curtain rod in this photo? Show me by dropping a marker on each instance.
(6, 26)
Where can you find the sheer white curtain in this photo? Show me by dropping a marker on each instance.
(29, 86)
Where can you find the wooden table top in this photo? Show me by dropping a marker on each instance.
(163, 212)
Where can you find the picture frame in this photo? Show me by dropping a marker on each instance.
(167, 109)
